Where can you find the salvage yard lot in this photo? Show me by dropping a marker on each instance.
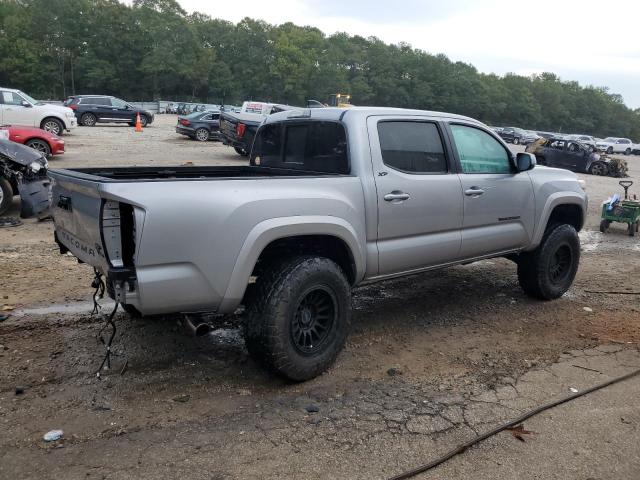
(431, 361)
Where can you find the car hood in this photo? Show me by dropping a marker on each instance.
(20, 154)
(59, 108)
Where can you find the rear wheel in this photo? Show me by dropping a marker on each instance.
(52, 125)
(6, 195)
(610, 150)
(202, 134)
(598, 168)
(88, 119)
(547, 272)
(298, 316)
(627, 151)
(39, 145)
(143, 120)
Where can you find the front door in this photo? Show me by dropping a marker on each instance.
(14, 112)
(419, 195)
(121, 111)
(498, 201)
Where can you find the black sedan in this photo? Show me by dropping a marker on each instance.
(200, 126)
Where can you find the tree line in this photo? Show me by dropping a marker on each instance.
(153, 49)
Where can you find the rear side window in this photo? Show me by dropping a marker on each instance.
(412, 147)
(95, 101)
(479, 152)
(312, 146)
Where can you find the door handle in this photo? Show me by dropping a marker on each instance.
(473, 192)
(396, 195)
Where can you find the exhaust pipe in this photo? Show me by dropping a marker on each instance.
(195, 328)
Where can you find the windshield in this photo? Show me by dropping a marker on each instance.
(28, 98)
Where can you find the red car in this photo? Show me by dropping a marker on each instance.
(41, 140)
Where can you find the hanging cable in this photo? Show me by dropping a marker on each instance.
(107, 355)
(98, 294)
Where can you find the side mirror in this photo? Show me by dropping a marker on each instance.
(525, 161)
(26, 104)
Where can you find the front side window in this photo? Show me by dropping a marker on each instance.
(11, 98)
(412, 147)
(116, 102)
(479, 152)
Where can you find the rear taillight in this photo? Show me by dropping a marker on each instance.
(240, 129)
(73, 106)
(184, 122)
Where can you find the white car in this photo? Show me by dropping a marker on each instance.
(616, 145)
(18, 108)
(586, 139)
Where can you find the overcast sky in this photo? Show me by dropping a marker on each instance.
(593, 42)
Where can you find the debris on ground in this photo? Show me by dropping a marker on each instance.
(587, 309)
(53, 435)
(20, 390)
(393, 371)
(10, 222)
(312, 408)
(518, 431)
(182, 398)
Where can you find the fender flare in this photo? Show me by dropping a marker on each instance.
(554, 200)
(282, 227)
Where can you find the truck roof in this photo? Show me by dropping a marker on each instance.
(337, 113)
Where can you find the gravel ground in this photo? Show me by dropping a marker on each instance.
(432, 360)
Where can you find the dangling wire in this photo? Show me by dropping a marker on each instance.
(107, 356)
(98, 284)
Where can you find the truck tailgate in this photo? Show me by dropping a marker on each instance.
(77, 210)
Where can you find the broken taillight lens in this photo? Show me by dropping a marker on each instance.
(240, 129)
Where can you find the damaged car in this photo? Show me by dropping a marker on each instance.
(576, 156)
(23, 171)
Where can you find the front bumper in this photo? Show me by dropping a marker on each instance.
(34, 197)
(57, 148)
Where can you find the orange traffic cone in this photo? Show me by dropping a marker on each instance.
(138, 124)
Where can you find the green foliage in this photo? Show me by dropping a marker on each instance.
(154, 49)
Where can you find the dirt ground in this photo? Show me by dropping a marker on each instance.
(432, 360)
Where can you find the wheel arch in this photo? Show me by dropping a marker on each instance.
(54, 117)
(561, 207)
(331, 237)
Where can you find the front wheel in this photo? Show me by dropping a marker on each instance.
(39, 145)
(52, 125)
(6, 195)
(547, 272)
(610, 150)
(298, 316)
(143, 121)
(598, 168)
(627, 151)
(516, 141)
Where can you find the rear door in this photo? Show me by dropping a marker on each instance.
(419, 194)
(498, 202)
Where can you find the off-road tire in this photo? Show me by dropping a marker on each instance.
(544, 273)
(7, 195)
(52, 125)
(88, 119)
(273, 305)
(604, 225)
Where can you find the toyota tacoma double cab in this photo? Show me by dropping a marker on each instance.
(332, 198)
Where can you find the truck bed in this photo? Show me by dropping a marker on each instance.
(150, 174)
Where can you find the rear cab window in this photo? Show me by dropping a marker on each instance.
(412, 146)
(314, 146)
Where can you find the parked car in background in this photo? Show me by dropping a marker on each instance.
(586, 139)
(200, 126)
(19, 109)
(45, 142)
(512, 135)
(575, 156)
(238, 129)
(528, 137)
(23, 171)
(92, 109)
(616, 145)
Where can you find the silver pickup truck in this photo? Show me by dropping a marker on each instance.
(332, 198)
